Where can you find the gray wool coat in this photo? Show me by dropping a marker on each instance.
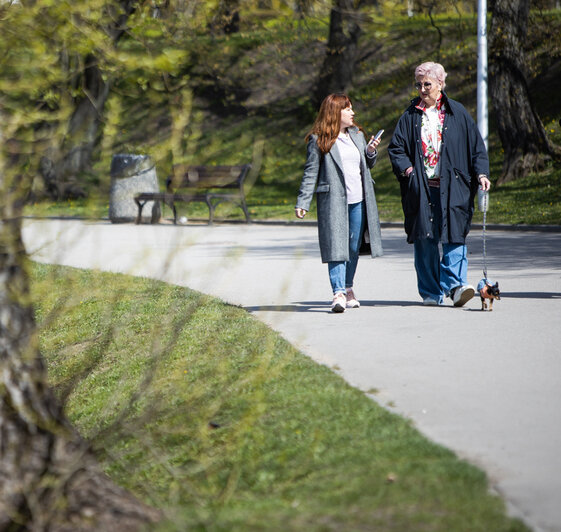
(326, 171)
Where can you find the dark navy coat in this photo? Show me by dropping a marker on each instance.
(463, 158)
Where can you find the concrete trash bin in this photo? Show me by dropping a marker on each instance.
(131, 175)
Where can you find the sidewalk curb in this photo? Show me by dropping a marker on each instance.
(399, 225)
(388, 225)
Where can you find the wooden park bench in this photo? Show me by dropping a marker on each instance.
(209, 184)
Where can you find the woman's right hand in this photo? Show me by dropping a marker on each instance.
(300, 213)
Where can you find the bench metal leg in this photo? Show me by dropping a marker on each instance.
(245, 211)
(211, 208)
(140, 207)
(156, 212)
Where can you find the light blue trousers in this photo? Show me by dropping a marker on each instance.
(436, 275)
(341, 273)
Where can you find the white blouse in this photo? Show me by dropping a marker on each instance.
(350, 156)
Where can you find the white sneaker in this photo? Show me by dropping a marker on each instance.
(339, 302)
(462, 294)
(352, 301)
(430, 302)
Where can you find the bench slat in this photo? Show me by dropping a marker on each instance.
(207, 177)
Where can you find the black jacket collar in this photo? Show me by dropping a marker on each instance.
(449, 108)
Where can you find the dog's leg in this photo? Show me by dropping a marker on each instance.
(483, 305)
(490, 304)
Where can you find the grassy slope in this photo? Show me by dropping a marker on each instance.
(273, 66)
(144, 368)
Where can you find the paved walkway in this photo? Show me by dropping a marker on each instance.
(487, 385)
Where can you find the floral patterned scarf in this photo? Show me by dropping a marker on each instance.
(431, 137)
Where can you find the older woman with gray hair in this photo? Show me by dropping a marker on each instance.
(440, 160)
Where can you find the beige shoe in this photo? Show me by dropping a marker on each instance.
(352, 301)
(462, 294)
(339, 302)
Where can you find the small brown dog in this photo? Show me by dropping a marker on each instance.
(490, 291)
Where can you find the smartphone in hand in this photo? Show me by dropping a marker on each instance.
(376, 137)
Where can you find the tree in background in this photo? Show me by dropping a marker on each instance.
(81, 56)
(91, 51)
(227, 16)
(523, 137)
(338, 66)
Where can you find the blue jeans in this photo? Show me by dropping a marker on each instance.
(341, 273)
(437, 276)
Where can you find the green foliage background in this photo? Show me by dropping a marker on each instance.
(181, 90)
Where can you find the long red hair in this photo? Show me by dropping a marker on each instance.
(328, 121)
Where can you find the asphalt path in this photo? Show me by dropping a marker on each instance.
(484, 384)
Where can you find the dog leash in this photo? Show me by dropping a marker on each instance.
(483, 204)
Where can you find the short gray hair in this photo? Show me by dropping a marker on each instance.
(432, 70)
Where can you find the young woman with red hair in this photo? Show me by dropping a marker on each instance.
(338, 170)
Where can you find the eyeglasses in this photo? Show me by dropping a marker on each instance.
(427, 86)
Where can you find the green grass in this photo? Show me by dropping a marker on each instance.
(534, 200)
(204, 412)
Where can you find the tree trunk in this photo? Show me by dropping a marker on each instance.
(227, 17)
(63, 164)
(49, 478)
(338, 66)
(525, 143)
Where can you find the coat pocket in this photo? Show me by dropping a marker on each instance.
(460, 202)
(410, 194)
(463, 180)
(322, 188)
